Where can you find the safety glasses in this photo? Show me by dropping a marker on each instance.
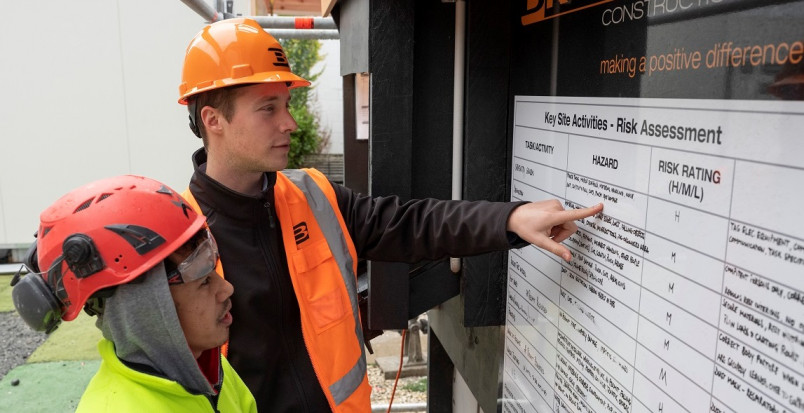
(198, 264)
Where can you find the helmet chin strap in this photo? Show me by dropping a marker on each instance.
(192, 106)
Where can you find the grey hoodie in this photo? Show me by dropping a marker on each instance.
(140, 319)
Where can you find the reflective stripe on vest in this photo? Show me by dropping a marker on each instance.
(331, 228)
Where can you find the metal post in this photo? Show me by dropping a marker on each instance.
(413, 343)
(457, 111)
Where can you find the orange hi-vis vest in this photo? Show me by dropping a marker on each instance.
(323, 265)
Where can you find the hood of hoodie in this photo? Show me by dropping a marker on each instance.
(140, 319)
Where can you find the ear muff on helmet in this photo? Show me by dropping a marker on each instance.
(35, 300)
(36, 303)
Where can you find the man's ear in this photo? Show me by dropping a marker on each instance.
(211, 118)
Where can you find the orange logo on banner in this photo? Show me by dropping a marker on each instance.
(541, 10)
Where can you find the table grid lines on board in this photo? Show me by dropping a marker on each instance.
(656, 293)
(558, 353)
(648, 195)
(558, 306)
(660, 265)
(517, 384)
(674, 318)
(588, 357)
(678, 274)
(581, 135)
(568, 292)
(647, 378)
(516, 198)
(525, 299)
(645, 230)
(722, 286)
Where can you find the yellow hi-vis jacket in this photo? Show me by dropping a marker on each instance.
(323, 265)
(117, 388)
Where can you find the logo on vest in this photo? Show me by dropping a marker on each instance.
(300, 232)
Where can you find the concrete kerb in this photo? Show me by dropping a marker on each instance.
(387, 348)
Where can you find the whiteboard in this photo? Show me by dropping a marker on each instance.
(687, 292)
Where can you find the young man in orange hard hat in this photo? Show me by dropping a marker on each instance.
(292, 238)
(131, 251)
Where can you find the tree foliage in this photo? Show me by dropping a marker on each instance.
(302, 55)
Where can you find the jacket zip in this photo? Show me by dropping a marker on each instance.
(271, 222)
(213, 401)
(275, 271)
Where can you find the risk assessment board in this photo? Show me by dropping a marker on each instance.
(687, 292)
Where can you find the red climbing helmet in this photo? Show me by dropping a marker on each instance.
(100, 235)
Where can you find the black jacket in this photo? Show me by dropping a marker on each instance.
(266, 346)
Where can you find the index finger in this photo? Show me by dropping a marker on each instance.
(576, 214)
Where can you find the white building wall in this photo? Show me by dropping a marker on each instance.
(328, 92)
(89, 91)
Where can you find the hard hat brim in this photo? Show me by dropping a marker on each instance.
(265, 77)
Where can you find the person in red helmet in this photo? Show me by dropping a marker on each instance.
(293, 239)
(130, 251)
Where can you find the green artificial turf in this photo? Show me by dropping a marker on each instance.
(46, 387)
(73, 340)
(6, 304)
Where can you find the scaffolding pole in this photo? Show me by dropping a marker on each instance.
(303, 34)
(281, 27)
(283, 22)
(204, 10)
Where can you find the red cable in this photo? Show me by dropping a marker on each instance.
(398, 372)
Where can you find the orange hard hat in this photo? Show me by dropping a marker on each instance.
(234, 52)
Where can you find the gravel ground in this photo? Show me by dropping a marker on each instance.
(17, 342)
(381, 389)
